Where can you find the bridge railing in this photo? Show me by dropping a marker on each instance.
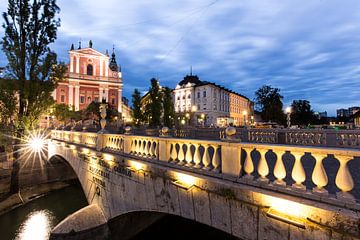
(311, 172)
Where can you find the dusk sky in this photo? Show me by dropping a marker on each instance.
(308, 49)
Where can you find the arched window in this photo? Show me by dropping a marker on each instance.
(89, 69)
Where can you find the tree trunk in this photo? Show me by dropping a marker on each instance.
(14, 181)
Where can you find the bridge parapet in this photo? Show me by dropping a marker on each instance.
(294, 170)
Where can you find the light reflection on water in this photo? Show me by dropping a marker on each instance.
(37, 225)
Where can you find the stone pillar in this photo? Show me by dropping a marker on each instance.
(119, 108)
(71, 64)
(77, 64)
(101, 94)
(71, 95)
(77, 97)
(231, 159)
(101, 68)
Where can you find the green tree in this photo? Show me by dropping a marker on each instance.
(136, 107)
(155, 103)
(62, 112)
(8, 103)
(301, 113)
(29, 30)
(168, 104)
(269, 103)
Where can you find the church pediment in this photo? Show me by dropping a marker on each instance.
(89, 51)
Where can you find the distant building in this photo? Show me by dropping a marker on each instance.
(209, 103)
(347, 112)
(320, 115)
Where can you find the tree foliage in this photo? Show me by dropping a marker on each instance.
(155, 103)
(269, 103)
(136, 107)
(29, 29)
(301, 113)
(168, 105)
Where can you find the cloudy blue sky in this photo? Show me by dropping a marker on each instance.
(308, 49)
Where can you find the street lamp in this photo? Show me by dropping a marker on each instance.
(244, 114)
(288, 116)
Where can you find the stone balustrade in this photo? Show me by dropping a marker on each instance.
(297, 170)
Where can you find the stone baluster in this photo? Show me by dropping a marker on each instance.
(181, 155)
(148, 150)
(344, 180)
(298, 172)
(319, 176)
(216, 160)
(248, 164)
(279, 170)
(152, 149)
(188, 156)
(263, 167)
(144, 148)
(197, 156)
(173, 154)
(206, 158)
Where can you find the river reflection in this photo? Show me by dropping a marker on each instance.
(35, 219)
(37, 225)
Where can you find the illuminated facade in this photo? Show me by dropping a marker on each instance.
(209, 102)
(91, 76)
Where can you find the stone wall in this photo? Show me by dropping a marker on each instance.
(232, 207)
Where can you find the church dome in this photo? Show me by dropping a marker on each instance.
(193, 79)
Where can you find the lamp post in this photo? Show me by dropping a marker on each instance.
(187, 116)
(288, 116)
(244, 114)
(193, 110)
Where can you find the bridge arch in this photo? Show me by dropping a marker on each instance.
(162, 226)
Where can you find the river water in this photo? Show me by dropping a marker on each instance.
(35, 219)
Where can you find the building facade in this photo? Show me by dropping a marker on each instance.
(347, 112)
(209, 104)
(91, 76)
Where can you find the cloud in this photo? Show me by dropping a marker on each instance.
(309, 49)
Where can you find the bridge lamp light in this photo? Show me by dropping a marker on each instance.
(184, 181)
(136, 166)
(287, 211)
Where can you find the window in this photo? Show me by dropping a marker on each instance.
(183, 97)
(89, 99)
(178, 98)
(214, 94)
(189, 96)
(82, 99)
(89, 69)
(204, 94)
(198, 94)
(113, 101)
(62, 98)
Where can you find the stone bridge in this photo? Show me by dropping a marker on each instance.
(249, 190)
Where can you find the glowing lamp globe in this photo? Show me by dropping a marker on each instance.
(36, 144)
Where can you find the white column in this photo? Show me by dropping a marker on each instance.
(119, 108)
(77, 97)
(54, 94)
(71, 95)
(107, 94)
(71, 64)
(101, 67)
(77, 64)
(101, 94)
(106, 69)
